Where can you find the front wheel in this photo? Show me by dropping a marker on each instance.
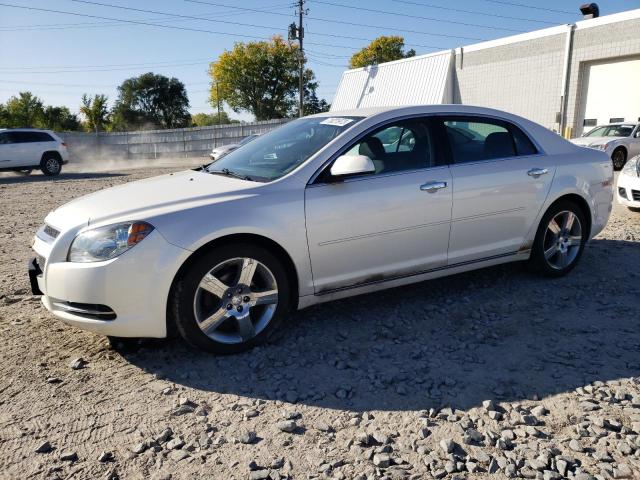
(231, 299)
(560, 240)
(51, 165)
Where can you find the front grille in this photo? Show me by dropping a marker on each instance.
(52, 232)
(41, 261)
(636, 195)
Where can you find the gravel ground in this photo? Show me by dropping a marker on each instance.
(492, 374)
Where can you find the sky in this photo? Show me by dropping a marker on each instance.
(59, 56)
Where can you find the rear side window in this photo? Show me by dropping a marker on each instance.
(4, 138)
(474, 139)
(30, 137)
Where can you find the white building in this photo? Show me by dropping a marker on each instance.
(566, 78)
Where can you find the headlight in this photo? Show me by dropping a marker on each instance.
(602, 146)
(108, 242)
(632, 167)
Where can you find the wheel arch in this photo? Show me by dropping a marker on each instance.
(582, 204)
(265, 242)
(52, 153)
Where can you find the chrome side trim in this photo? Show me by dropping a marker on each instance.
(415, 274)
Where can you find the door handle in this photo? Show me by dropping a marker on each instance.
(433, 187)
(537, 172)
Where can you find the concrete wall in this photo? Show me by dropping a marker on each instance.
(184, 142)
(524, 78)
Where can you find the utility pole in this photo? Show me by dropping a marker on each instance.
(218, 100)
(296, 32)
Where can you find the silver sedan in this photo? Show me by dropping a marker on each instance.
(325, 207)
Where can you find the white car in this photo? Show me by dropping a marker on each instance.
(25, 149)
(629, 184)
(222, 150)
(618, 140)
(319, 209)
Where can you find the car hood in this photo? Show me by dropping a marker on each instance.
(587, 141)
(152, 196)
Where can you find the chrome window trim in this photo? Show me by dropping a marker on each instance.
(372, 176)
(437, 115)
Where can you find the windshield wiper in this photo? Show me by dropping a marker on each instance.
(231, 173)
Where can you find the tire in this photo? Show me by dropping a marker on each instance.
(619, 158)
(561, 256)
(50, 165)
(243, 312)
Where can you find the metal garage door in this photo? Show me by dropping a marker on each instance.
(613, 92)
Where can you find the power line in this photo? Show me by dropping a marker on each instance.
(341, 22)
(474, 12)
(149, 24)
(431, 19)
(33, 72)
(148, 64)
(65, 26)
(534, 7)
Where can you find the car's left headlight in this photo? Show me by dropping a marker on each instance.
(602, 146)
(632, 167)
(104, 243)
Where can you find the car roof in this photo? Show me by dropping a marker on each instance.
(24, 130)
(455, 108)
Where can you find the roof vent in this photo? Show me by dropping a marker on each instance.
(590, 10)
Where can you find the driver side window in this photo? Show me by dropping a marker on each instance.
(397, 147)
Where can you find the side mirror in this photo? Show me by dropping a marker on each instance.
(352, 165)
(638, 134)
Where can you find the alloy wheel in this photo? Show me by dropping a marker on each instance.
(562, 240)
(236, 300)
(52, 165)
(618, 159)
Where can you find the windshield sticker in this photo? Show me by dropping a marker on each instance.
(336, 121)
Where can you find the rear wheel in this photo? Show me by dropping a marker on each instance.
(560, 239)
(619, 158)
(231, 299)
(50, 165)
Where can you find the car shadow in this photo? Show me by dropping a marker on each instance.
(499, 333)
(8, 178)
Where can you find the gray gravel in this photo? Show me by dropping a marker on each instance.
(492, 374)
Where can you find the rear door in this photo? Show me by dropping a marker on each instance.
(27, 151)
(500, 181)
(8, 151)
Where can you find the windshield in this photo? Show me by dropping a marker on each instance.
(247, 139)
(278, 152)
(611, 131)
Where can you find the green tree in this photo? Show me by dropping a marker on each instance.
(151, 101)
(24, 111)
(209, 119)
(95, 112)
(380, 50)
(60, 119)
(257, 77)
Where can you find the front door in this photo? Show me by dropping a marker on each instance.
(500, 182)
(383, 225)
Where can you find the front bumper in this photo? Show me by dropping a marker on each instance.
(123, 297)
(628, 191)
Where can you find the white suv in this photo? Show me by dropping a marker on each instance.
(24, 149)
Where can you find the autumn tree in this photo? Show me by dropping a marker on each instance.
(260, 78)
(95, 111)
(151, 100)
(380, 50)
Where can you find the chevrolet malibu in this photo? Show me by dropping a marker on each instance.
(326, 207)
